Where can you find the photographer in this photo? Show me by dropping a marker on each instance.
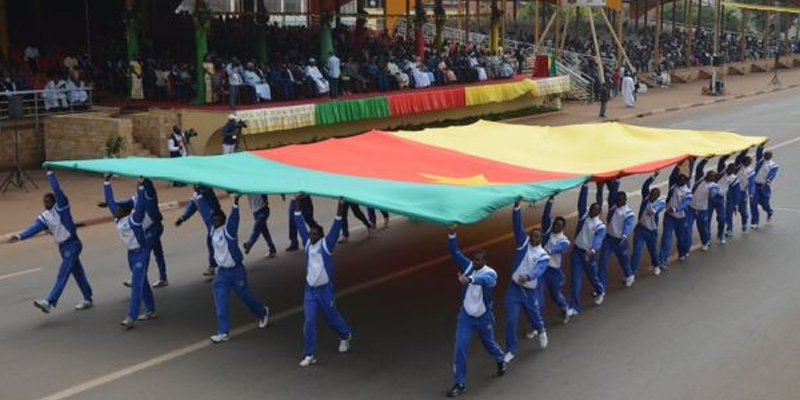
(231, 133)
(177, 143)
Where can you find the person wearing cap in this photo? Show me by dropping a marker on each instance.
(229, 134)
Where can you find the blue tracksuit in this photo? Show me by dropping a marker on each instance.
(531, 262)
(230, 272)
(307, 209)
(156, 228)
(206, 203)
(58, 222)
(556, 246)
(620, 225)
(719, 203)
(319, 293)
(475, 314)
(646, 231)
(701, 213)
(675, 220)
(260, 228)
(583, 257)
(131, 231)
(765, 173)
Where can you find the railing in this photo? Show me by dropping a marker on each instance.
(37, 103)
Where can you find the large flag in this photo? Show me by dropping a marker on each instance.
(447, 175)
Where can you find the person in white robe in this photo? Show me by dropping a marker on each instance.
(54, 96)
(312, 73)
(398, 74)
(77, 93)
(481, 71)
(253, 79)
(628, 87)
(421, 79)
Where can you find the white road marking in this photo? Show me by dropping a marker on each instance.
(687, 122)
(792, 210)
(20, 273)
(180, 352)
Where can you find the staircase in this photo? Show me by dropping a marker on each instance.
(137, 150)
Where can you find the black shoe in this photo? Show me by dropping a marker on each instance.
(456, 390)
(247, 247)
(502, 367)
(293, 247)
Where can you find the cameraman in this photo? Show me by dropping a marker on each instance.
(177, 143)
(231, 133)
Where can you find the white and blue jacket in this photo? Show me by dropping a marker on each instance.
(530, 261)
(766, 171)
(319, 255)
(477, 294)
(555, 244)
(205, 202)
(620, 219)
(590, 232)
(57, 221)
(131, 227)
(153, 213)
(648, 211)
(225, 241)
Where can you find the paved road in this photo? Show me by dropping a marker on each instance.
(720, 326)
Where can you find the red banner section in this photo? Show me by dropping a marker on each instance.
(424, 101)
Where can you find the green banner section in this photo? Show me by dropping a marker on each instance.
(335, 112)
(248, 173)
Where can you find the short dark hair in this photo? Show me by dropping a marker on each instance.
(560, 218)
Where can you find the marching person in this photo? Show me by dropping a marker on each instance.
(646, 231)
(530, 262)
(675, 220)
(307, 209)
(702, 195)
(230, 274)
(57, 221)
(373, 219)
(746, 176)
(589, 235)
(724, 201)
(766, 170)
(259, 206)
(476, 313)
(153, 228)
(556, 244)
(130, 228)
(319, 292)
(359, 215)
(204, 200)
(620, 224)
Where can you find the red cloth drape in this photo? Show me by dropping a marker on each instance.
(541, 66)
(424, 101)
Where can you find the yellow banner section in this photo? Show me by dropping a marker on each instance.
(278, 118)
(614, 4)
(759, 7)
(581, 149)
(398, 7)
(485, 94)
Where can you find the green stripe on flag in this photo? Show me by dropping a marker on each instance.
(335, 112)
(247, 173)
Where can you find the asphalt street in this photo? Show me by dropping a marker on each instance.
(721, 326)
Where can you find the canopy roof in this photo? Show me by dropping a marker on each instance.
(448, 175)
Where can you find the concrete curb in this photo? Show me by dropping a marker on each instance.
(659, 111)
(172, 205)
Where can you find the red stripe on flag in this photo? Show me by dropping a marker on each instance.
(431, 100)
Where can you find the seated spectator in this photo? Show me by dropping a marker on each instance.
(77, 94)
(376, 76)
(421, 79)
(400, 77)
(54, 95)
(475, 65)
(313, 74)
(354, 82)
(254, 80)
(447, 72)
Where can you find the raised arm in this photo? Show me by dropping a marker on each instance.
(300, 222)
(61, 199)
(673, 176)
(37, 226)
(336, 228)
(519, 230)
(108, 193)
(698, 171)
(137, 218)
(760, 153)
(547, 220)
(740, 157)
(721, 163)
(583, 199)
(462, 262)
(232, 226)
(613, 189)
(646, 185)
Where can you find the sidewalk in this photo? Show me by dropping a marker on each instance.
(85, 190)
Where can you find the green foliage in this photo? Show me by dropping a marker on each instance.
(115, 145)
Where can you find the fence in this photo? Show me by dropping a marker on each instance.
(38, 103)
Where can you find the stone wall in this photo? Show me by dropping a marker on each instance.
(151, 129)
(31, 148)
(82, 136)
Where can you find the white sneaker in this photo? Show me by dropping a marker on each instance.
(753, 226)
(43, 305)
(723, 241)
(84, 305)
(344, 345)
(159, 284)
(262, 323)
(308, 360)
(219, 338)
(571, 312)
(508, 357)
(543, 340)
(532, 334)
(704, 247)
(126, 283)
(126, 323)
(599, 299)
(147, 315)
(656, 271)
(630, 280)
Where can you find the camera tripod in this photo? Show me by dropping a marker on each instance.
(17, 177)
